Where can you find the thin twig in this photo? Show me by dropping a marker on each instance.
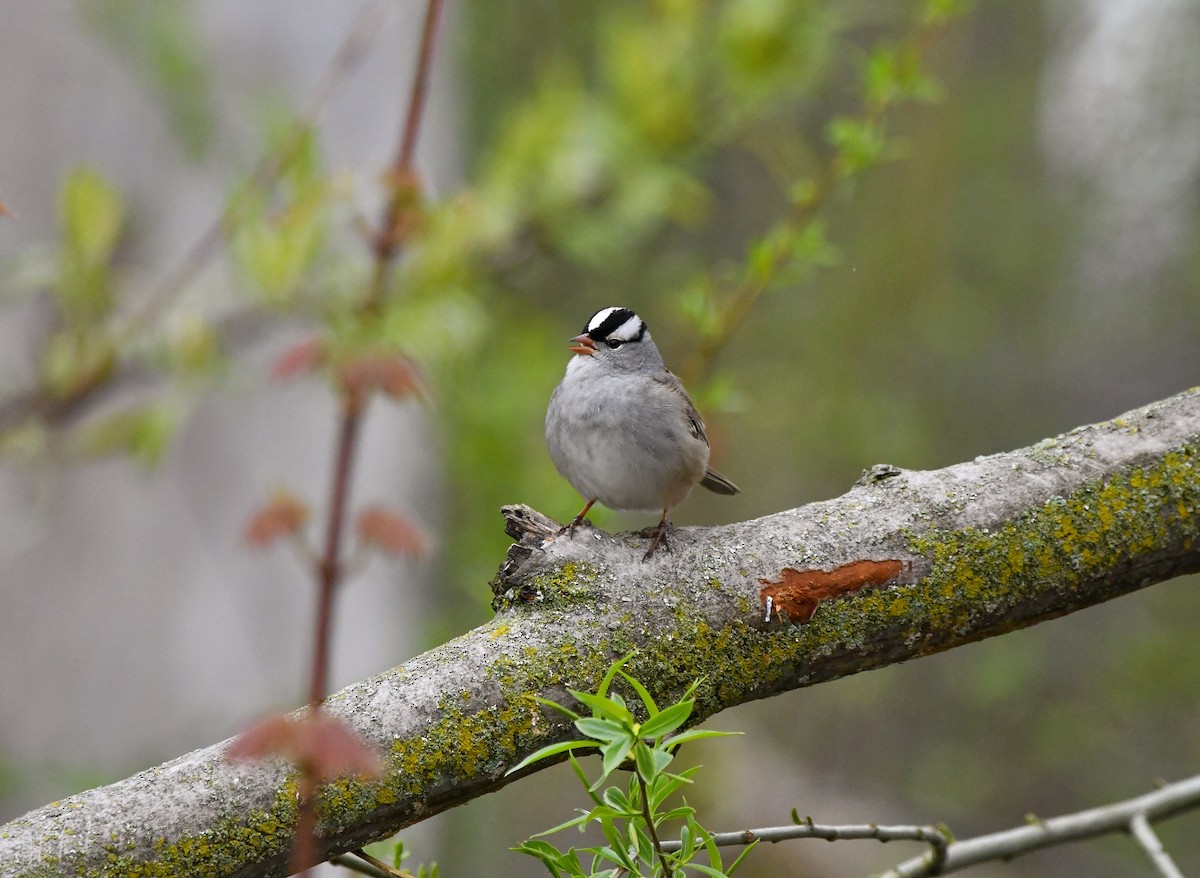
(330, 568)
(362, 862)
(354, 864)
(403, 171)
(932, 835)
(1104, 820)
(668, 872)
(1139, 828)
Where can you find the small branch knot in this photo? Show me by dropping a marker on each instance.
(878, 474)
(530, 529)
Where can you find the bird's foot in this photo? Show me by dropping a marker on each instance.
(579, 519)
(569, 529)
(658, 537)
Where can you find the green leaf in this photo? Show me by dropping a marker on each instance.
(679, 812)
(547, 853)
(614, 754)
(617, 800)
(279, 236)
(687, 840)
(695, 735)
(583, 779)
(554, 705)
(740, 857)
(662, 758)
(605, 707)
(601, 729)
(715, 872)
(667, 721)
(570, 862)
(644, 695)
(607, 855)
(619, 850)
(714, 853)
(580, 820)
(143, 433)
(859, 142)
(698, 305)
(72, 361)
(647, 765)
(611, 674)
(666, 784)
(639, 840)
(535, 848)
(91, 213)
(550, 750)
(880, 79)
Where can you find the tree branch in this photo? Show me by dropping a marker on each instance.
(906, 564)
(1132, 815)
(937, 838)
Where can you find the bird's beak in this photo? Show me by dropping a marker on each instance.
(583, 345)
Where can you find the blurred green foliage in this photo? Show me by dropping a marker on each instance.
(278, 236)
(91, 213)
(160, 41)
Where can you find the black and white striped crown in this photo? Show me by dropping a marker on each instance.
(618, 324)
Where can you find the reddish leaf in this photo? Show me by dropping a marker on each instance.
(392, 374)
(398, 377)
(300, 359)
(322, 746)
(269, 736)
(282, 516)
(390, 532)
(5, 210)
(333, 749)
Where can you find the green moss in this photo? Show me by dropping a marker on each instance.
(571, 583)
(232, 843)
(1072, 539)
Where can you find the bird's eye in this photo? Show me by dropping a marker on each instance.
(613, 343)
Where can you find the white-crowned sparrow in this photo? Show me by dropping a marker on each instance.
(621, 428)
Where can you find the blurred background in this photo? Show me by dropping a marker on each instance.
(1007, 249)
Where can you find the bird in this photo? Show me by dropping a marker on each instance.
(621, 428)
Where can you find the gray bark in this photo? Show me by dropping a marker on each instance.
(905, 564)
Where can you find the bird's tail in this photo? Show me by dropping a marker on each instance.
(718, 484)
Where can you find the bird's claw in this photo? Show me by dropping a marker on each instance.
(658, 537)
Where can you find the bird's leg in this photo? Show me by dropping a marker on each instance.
(658, 537)
(569, 529)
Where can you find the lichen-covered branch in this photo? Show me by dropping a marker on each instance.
(905, 564)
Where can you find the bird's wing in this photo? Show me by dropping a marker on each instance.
(695, 422)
